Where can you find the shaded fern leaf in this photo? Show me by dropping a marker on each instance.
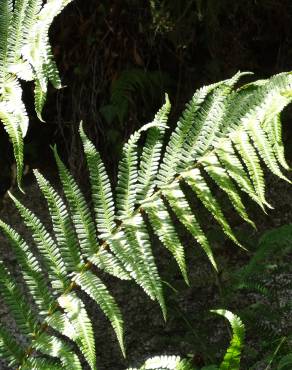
(9, 348)
(285, 363)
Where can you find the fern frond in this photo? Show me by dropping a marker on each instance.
(76, 312)
(223, 134)
(14, 118)
(94, 287)
(232, 357)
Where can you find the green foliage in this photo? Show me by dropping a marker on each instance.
(221, 128)
(264, 282)
(25, 54)
(148, 84)
(231, 359)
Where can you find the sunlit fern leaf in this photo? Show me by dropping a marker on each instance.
(16, 28)
(181, 208)
(106, 261)
(80, 213)
(251, 160)
(38, 52)
(63, 230)
(126, 190)
(76, 312)
(165, 363)
(174, 155)
(264, 147)
(40, 97)
(94, 287)
(46, 245)
(138, 240)
(273, 128)
(196, 181)
(5, 17)
(231, 359)
(230, 161)
(42, 364)
(101, 189)
(162, 225)
(150, 156)
(60, 322)
(52, 346)
(221, 177)
(9, 348)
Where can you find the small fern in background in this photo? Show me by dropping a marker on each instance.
(231, 359)
(222, 136)
(25, 54)
(265, 284)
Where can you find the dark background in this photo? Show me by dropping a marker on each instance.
(116, 60)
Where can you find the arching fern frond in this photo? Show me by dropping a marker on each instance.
(231, 359)
(25, 54)
(222, 140)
